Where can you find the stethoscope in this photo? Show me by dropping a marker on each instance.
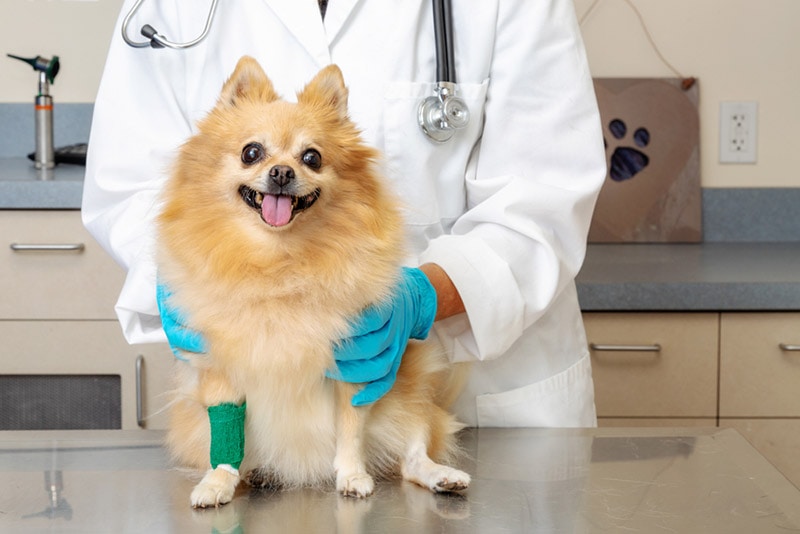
(439, 116)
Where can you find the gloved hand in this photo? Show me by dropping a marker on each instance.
(380, 334)
(181, 339)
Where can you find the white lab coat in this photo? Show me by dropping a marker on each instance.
(504, 207)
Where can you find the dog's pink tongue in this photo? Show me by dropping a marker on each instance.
(276, 209)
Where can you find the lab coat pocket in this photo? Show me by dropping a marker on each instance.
(429, 176)
(563, 400)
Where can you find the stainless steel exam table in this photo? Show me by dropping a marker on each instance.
(524, 480)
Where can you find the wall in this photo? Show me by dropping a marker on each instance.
(738, 49)
(77, 31)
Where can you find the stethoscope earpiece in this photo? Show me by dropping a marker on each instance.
(152, 35)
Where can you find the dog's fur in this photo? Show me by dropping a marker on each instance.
(271, 299)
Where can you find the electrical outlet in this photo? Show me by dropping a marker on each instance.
(738, 123)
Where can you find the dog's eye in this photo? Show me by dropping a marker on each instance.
(252, 153)
(312, 158)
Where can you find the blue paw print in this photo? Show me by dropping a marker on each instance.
(627, 161)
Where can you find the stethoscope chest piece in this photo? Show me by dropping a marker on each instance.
(442, 114)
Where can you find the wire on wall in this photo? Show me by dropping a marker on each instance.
(686, 83)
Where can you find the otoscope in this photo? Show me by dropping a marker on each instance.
(43, 106)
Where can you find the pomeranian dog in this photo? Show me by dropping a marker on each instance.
(276, 230)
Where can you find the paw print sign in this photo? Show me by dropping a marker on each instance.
(651, 130)
(627, 161)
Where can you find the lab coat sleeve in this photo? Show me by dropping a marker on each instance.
(531, 184)
(138, 123)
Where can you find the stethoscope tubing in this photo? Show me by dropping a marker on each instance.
(442, 20)
(443, 35)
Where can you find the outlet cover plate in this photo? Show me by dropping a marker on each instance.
(738, 128)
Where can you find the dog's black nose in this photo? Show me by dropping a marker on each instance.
(282, 175)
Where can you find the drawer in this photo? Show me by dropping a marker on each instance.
(75, 280)
(91, 348)
(757, 377)
(633, 379)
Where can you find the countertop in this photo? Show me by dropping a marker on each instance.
(691, 277)
(24, 187)
(524, 480)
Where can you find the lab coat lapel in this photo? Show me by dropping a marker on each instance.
(336, 17)
(303, 20)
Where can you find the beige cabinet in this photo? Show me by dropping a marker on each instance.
(759, 371)
(759, 387)
(737, 370)
(51, 268)
(62, 347)
(654, 365)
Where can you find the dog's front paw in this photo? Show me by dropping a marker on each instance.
(216, 488)
(358, 485)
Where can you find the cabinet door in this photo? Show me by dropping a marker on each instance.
(84, 350)
(51, 268)
(759, 377)
(654, 364)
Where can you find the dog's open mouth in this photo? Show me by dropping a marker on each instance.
(277, 210)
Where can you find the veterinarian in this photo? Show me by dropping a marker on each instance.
(497, 215)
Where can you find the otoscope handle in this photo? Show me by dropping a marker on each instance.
(45, 157)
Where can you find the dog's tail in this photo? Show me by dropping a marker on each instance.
(456, 380)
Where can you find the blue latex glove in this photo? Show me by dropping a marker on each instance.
(380, 334)
(181, 339)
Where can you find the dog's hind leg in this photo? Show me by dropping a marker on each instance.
(262, 478)
(420, 469)
(352, 479)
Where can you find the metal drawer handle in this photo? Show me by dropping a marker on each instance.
(139, 400)
(789, 348)
(66, 247)
(625, 348)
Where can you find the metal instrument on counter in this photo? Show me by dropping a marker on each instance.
(43, 108)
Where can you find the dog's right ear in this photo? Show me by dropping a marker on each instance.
(248, 81)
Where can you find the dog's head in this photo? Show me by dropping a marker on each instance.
(278, 160)
(271, 186)
(283, 170)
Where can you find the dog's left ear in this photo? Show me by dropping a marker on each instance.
(247, 81)
(327, 88)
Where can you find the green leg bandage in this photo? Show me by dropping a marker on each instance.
(227, 434)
